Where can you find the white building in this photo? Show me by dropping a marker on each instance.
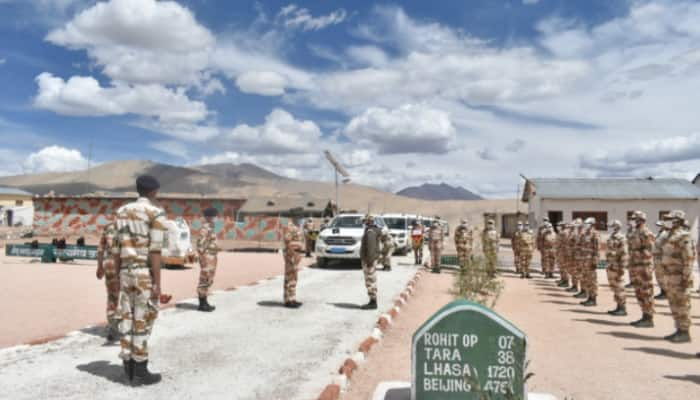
(610, 199)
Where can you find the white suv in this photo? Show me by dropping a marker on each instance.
(342, 239)
(399, 226)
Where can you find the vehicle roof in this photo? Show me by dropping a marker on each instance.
(399, 215)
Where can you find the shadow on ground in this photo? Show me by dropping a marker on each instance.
(664, 352)
(687, 378)
(346, 306)
(601, 322)
(187, 306)
(269, 303)
(629, 335)
(105, 369)
(585, 311)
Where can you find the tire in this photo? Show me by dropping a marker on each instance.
(321, 262)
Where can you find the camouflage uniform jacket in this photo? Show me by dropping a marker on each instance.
(549, 241)
(590, 246)
(436, 237)
(540, 238)
(463, 237)
(369, 247)
(562, 239)
(641, 248)
(107, 241)
(678, 255)
(661, 238)
(526, 242)
(292, 239)
(206, 244)
(617, 249)
(489, 240)
(140, 231)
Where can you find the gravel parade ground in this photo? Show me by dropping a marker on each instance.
(249, 348)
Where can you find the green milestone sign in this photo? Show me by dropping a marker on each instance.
(467, 351)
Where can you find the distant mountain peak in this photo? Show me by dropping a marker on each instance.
(440, 191)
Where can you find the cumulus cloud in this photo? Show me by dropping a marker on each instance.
(515, 146)
(83, 96)
(292, 16)
(142, 41)
(266, 83)
(411, 128)
(54, 159)
(357, 158)
(281, 133)
(486, 154)
(171, 147)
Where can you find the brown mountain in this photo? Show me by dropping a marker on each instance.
(442, 191)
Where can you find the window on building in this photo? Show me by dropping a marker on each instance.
(630, 214)
(601, 218)
(663, 214)
(19, 202)
(555, 217)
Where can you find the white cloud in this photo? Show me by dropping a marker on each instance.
(141, 41)
(486, 154)
(171, 147)
(515, 146)
(281, 133)
(367, 55)
(530, 2)
(292, 16)
(407, 129)
(357, 158)
(264, 83)
(83, 96)
(54, 159)
(3, 61)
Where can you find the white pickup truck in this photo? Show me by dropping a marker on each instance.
(341, 240)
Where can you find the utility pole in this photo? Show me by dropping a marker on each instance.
(338, 170)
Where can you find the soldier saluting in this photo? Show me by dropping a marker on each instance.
(137, 255)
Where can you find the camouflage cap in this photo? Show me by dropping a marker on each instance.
(675, 215)
(641, 215)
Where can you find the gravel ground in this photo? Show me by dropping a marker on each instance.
(249, 348)
(577, 352)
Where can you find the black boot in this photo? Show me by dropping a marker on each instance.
(292, 304)
(647, 321)
(143, 376)
(204, 305)
(112, 332)
(679, 337)
(563, 284)
(661, 296)
(620, 311)
(572, 289)
(372, 305)
(129, 369)
(581, 295)
(590, 302)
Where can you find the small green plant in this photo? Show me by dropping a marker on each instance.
(476, 283)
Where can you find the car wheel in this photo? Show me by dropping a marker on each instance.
(321, 262)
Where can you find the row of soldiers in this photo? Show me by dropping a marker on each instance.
(669, 256)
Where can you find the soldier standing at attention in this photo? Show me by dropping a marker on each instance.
(678, 259)
(387, 249)
(548, 250)
(292, 256)
(641, 249)
(629, 235)
(526, 250)
(137, 255)
(460, 237)
(539, 237)
(515, 245)
(658, 270)
(489, 244)
(309, 232)
(591, 248)
(580, 260)
(571, 255)
(417, 234)
(208, 250)
(617, 257)
(369, 253)
(107, 269)
(435, 238)
(562, 237)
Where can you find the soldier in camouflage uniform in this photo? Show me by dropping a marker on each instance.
(369, 254)
(137, 255)
(463, 242)
(208, 250)
(309, 236)
(658, 270)
(641, 248)
(489, 244)
(538, 239)
(617, 257)
(630, 238)
(548, 250)
(677, 261)
(435, 244)
(106, 269)
(591, 248)
(515, 245)
(387, 249)
(292, 238)
(562, 261)
(579, 256)
(525, 251)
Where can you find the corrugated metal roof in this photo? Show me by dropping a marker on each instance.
(614, 188)
(14, 191)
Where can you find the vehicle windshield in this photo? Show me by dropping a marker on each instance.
(395, 223)
(353, 222)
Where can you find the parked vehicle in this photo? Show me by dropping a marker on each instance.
(177, 244)
(342, 239)
(399, 226)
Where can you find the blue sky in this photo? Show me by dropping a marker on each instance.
(470, 93)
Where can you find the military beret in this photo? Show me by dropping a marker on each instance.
(147, 182)
(211, 212)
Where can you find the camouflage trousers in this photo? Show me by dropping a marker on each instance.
(435, 255)
(385, 258)
(659, 275)
(589, 278)
(563, 270)
(112, 286)
(309, 245)
(516, 260)
(525, 260)
(616, 275)
(491, 260)
(462, 255)
(679, 285)
(642, 281)
(369, 268)
(549, 259)
(577, 272)
(291, 265)
(137, 312)
(207, 265)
